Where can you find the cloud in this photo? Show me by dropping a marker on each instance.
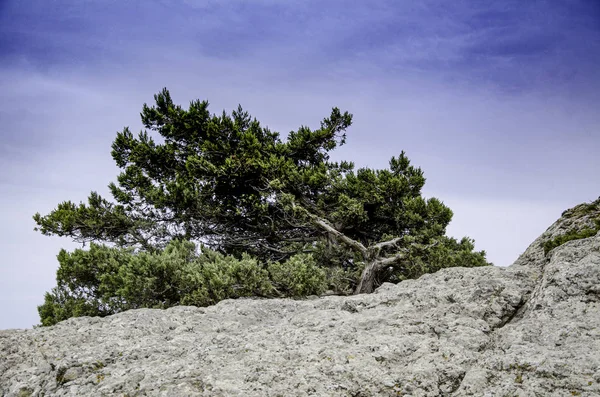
(508, 45)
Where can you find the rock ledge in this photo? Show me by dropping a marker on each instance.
(532, 329)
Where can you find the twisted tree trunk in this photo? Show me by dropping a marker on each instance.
(371, 254)
(374, 266)
(367, 279)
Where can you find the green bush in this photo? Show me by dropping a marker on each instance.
(569, 236)
(577, 212)
(214, 277)
(82, 288)
(298, 276)
(104, 280)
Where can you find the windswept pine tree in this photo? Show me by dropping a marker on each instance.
(238, 188)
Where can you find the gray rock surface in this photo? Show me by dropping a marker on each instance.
(532, 329)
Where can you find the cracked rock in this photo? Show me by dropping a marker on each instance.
(532, 329)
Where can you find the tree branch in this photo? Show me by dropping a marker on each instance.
(339, 235)
(384, 244)
(383, 262)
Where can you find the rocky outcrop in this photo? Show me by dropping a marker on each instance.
(532, 329)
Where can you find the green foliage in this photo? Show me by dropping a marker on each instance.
(214, 277)
(59, 305)
(213, 178)
(237, 187)
(449, 252)
(371, 204)
(100, 220)
(105, 280)
(298, 276)
(342, 265)
(79, 291)
(569, 236)
(591, 210)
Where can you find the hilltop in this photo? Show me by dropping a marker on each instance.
(530, 329)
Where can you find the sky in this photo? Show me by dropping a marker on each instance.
(497, 102)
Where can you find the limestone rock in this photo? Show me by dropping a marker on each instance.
(532, 329)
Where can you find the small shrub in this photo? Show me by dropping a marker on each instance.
(214, 277)
(570, 236)
(298, 276)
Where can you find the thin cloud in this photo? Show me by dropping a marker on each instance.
(510, 45)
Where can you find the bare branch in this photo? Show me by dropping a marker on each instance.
(384, 244)
(383, 262)
(392, 260)
(339, 235)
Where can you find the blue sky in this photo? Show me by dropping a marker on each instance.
(496, 101)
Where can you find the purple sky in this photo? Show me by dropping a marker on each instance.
(497, 101)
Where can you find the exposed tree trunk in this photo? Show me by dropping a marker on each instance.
(371, 254)
(374, 266)
(367, 279)
(356, 245)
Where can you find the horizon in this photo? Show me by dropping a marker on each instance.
(497, 103)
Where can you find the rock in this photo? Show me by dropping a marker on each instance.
(532, 329)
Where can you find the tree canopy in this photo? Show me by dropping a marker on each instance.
(236, 187)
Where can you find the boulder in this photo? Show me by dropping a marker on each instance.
(532, 329)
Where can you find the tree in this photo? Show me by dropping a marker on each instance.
(238, 188)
